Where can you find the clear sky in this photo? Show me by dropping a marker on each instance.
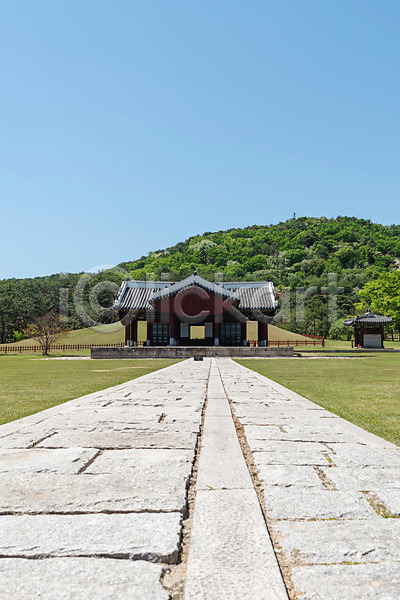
(128, 126)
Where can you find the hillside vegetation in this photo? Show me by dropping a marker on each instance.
(299, 253)
(295, 253)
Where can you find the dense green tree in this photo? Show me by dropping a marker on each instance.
(382, 296)
(339, 331)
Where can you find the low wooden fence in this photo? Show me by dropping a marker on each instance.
(295, 343)
(9, 348)
(312, 342)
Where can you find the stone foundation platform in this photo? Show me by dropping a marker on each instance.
(191, 351)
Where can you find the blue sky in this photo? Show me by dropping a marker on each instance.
(128, 126)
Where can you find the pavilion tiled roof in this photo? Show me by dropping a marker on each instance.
(194, 280)
(369, 319)
(254, 295)
(134, 294)
(249, 295)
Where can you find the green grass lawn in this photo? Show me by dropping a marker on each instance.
(29, 384)
(365, 391)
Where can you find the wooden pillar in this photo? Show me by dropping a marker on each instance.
(243, 332)
(134, 332)
(149, 333)
(217, 318)
(171, 330)
(173, 325)
(127, 334)
(361, 336)
(262, 333)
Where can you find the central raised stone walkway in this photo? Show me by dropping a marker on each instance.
(94, 499)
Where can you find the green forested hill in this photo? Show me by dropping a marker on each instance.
(297, 253)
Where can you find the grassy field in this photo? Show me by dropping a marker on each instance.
(29, 384)
(365, 391)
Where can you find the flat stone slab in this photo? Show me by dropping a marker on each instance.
(140, 489)
(41, 460)
(128, 417)
(218, 407)
(80, 579)
(290, 455)
(152, 438)
(286, 475)
(218, 468)
(324, 432)
(295, 503)
(231, 555)
(148, 536)
(322, 542)
(348, 582)
(390, 498)
(365, 477)
(353, 454)
(145, 467)
(26, 438)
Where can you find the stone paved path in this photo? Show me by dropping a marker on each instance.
(90, 484)
(331, 491)
(230, 555)
(93, 494)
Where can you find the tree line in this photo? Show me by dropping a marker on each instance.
(82, 299)
(298, 254)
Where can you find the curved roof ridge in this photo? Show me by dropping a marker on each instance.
(370, 318)
(245, 295)
(193, 280)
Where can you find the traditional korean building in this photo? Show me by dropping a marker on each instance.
(369, 329)
(172, 309)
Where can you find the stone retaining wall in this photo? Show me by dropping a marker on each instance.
(190, 351)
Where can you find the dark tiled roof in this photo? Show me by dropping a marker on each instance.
(369, 319)
(254, 294)
(249, 295)
(195, 280)
(136, 294)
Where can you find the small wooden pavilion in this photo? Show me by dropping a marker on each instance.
(369, 329)
(172, 309)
